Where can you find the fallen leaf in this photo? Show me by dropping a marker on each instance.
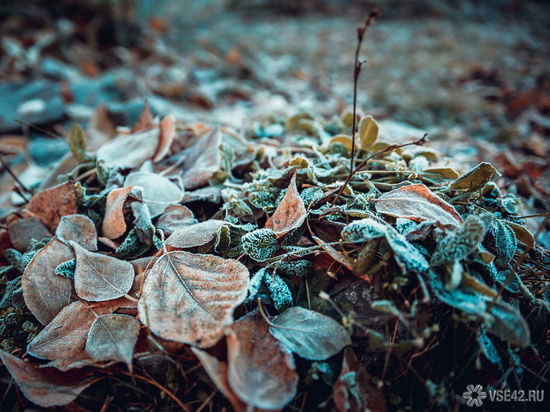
(475, 178)
(145, 120)
(77, 143)
(261, 371)
(50, 204)
(368, 132)
(522, 234)
(113, 225)
(45, 387)
(291, 212)
(158, 191)
(167, 133)
(309, 334)
(417, 202)
(190, 297)
(217, 371)
(129, 151)
(44, 292)
(78, 228)
(202, 160)
(195, 235)
(260, 244)
(444, 172)
(354, 390)
(334, 254)
(175, 217)
(63, 340)
(100, 277)
(113, 337)
(23, 231)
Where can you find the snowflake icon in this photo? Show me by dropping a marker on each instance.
(474, 395)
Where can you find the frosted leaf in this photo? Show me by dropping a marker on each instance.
(279, 291)
(362, 230)
(260, 244)
(505, 242)
(309, 334)
(463, 241)
(406, 255)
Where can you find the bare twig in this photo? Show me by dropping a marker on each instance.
(418, 142)
(19, 182)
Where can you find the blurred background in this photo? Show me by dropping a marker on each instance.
(459, 69)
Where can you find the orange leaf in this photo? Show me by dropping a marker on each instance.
(50, 204)
(46, 293)
(417, 202)
(113, 225)
(145, 121)
(291, 212)
(167, 134)
(190, 298)
(261, 372)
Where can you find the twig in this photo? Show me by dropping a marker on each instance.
(418, 142)
(19, 182)
(356, 73)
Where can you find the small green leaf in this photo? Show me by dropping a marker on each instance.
(66, 269)
(77, 143)
(279, 291)
(475, 178)
(260, 244)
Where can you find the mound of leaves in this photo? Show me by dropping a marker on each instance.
(187, 265)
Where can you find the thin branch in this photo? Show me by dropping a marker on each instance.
(418, 142)
(356, 73)
(19, 182)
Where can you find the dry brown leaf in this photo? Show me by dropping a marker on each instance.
(49, 205)
(195, 235)
(63, 340)
(291, 212)
(167, 133)
(354, 391)
(145, 121)
(175, 217)
(417, 202)
(217, 370)
(476, 177)
(334, 254)
(261, 371)
(129, 151)
(113, 225)
(44, 386)
(113, 337)
(23, 231)
(190, 297)
(202, 160)
(99, 277)
(78, 228)
(46, 293)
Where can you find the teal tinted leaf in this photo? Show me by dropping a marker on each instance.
(362, 230)
(505, 242)
(487, 347)
(309, 334)
(406, 255)
(255, 284)
(279, 291)
(299, 268)
(509, 325)
(260, 244)
(462, 241)
(66, 269)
